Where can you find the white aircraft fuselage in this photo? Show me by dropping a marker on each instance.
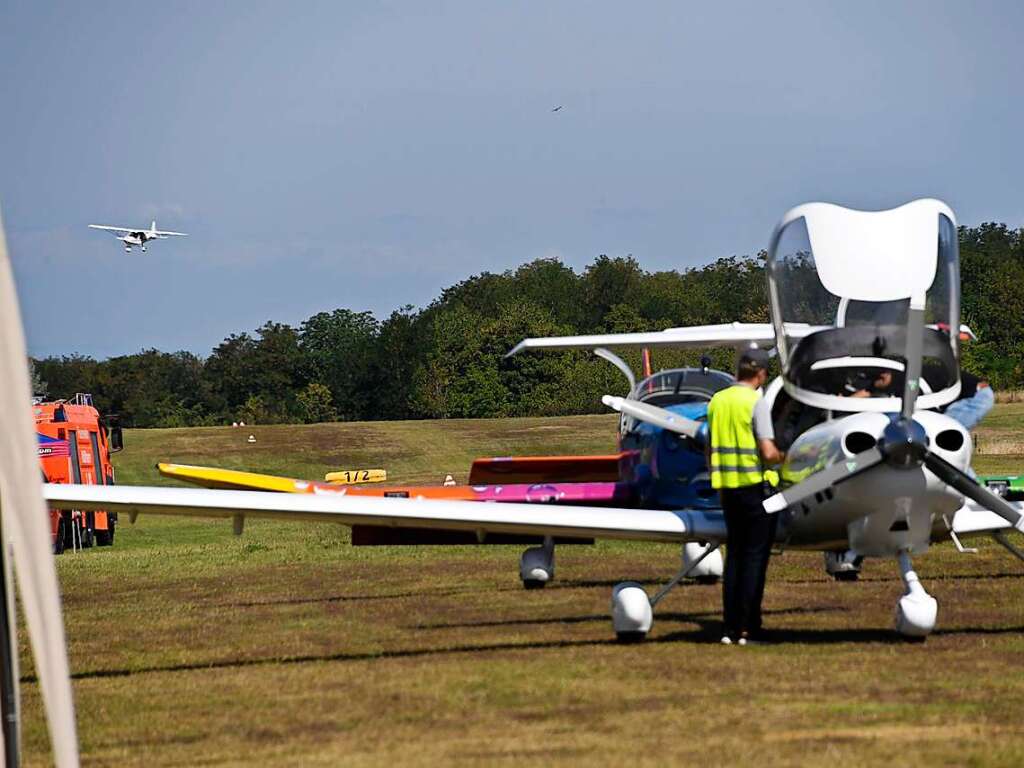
(876, 514)
(137, 237)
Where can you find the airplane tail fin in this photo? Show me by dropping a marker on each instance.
(152, 227)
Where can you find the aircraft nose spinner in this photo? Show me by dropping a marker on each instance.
(904, 443)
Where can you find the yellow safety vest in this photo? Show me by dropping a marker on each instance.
(735, 462)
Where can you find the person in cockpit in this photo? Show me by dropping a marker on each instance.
(862, 385)
(976, 397)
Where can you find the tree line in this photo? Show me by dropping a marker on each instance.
(448, 359)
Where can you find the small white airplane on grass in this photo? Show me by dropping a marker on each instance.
(138, 237)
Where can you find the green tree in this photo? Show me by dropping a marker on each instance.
(397, 353)
(36, 383)
(339, 352)
(606, 283)
(315, 404)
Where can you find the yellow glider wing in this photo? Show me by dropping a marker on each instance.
(233, 479)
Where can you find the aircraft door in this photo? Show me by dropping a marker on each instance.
(76, 466)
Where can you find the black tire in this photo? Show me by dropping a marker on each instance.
(69, 530)
(630, 638)
(106, 538)
(58, 541)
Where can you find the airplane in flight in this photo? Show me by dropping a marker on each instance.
(139, 237)
(852, 294)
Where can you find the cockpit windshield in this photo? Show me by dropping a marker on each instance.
(859, 272)
(684, 385)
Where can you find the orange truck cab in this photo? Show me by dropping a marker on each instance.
(75, 445)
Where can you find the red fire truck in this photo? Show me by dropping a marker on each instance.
(75, 445)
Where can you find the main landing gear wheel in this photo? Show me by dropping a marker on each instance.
(537, 565)
(916, 611)
(703, 567)
(632, 612)
(843, 565)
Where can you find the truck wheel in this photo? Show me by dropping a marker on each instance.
(68, 525)
(58, 540)
(106, 538)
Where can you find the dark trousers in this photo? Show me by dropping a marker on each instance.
(750, 534)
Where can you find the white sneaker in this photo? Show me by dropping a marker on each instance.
(726, 640)
(741, 641)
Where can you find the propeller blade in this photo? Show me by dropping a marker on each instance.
(914, 351)
(652, 414)
(973, 490)
(822, 481)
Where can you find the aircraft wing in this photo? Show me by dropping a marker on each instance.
(973, 519)
(104, 227)
(233, 479)
(737, 335)
(481, 518)
(165, 234)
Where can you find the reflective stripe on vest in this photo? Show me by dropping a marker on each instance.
(735, 462)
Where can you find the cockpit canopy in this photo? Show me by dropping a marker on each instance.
(680, 385)
(859, 272)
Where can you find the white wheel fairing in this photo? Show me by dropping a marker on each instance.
(916, 614)
(711, 567)
(631, 610)
(537, 564)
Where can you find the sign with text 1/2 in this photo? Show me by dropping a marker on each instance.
(353, 476)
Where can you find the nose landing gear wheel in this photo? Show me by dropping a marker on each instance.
(916, 611)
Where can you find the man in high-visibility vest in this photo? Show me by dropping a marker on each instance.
(742, 442)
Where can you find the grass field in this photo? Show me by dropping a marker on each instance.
(286, 646)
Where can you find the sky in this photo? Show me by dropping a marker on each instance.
(368, 154)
